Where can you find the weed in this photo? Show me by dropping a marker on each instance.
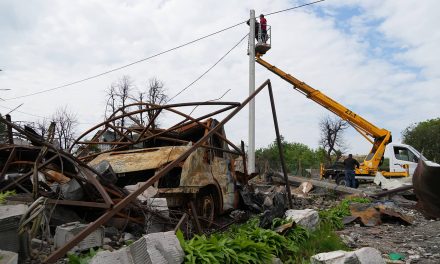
(4, 195)
(335, 215)
(81, 258)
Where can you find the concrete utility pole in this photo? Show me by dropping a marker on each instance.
(251, 51)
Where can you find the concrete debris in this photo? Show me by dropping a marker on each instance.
(66, 232)
(150, 192)
(8, 257)
(307, 218)
(160, 248)
(390, 184)
(303, 189)
(10, 216)
(366, 255)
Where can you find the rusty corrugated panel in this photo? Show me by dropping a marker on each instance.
(374, 213)
(426, 182)
(138, 160)
(368, 215)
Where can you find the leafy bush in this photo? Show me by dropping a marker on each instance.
(248, 243)
(220, 248)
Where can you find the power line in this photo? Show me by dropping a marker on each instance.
(295, 7)
(127, 65)
(21, 112)
(155, 55)
(209, 69)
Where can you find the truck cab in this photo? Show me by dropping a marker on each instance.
(401, 154)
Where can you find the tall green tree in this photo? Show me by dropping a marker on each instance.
(425, 137)
(297, 155)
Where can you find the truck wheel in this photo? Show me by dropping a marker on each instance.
(206, 207)
(340, 180)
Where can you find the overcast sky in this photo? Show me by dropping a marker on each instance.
(378, 58)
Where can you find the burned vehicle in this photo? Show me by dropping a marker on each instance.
(210, 176)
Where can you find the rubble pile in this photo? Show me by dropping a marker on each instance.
(136, 179)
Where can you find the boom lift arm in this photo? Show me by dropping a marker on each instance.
(381, 137)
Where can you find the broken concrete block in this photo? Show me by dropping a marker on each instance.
(366, 255)
(66, 232)
(8, 257)
(165, 244)
(145, 195)
(335, 257)
(10, 216)
(303, 189)
(307, 218)
(120, 256)
(156, 248)
(369, 255)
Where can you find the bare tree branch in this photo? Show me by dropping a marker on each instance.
(66, 122)
(332, 137)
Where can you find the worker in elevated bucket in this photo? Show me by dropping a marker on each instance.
(349, 166)
(263, 24)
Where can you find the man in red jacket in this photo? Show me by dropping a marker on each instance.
(263, 24)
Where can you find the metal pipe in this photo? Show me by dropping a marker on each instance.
(393, 191)
(280, 146)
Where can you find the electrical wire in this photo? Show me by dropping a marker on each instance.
(154, 55)
(21, 112)
(126, 65)
(209, 69)
(292, 8)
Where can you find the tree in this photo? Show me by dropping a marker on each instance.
(66, 123)
(297, 156)
(42, 127)
(119, 95)
(425, 137)
(332, 140)
(154, 95)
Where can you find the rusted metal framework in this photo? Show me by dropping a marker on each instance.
(133, 127)
(28, 161)
(128, 199)
(139, 131)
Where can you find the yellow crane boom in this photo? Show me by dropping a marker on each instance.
(381, 137)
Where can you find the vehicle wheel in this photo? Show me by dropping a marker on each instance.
(206, 207)
(340, 180)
